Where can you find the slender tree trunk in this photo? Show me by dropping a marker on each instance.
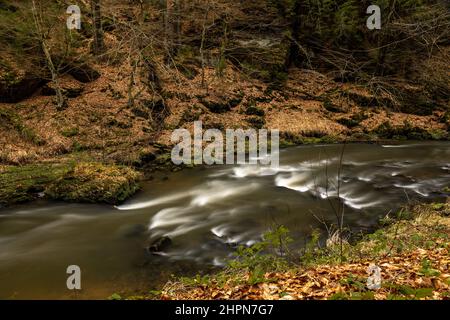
(202, 45)
(98, 45)
(60, 100)
(177, 25)
(132, 83)
(172, 27)
(169, 4)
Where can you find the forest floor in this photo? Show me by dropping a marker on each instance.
(100, 124)
(411, 250)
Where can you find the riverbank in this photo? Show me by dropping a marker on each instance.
(80, 178)
(411, 249)
(67, 181)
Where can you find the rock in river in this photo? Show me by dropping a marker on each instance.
(160, 244)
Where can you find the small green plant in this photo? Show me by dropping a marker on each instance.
(403, 292)
(260, 258)
(195, 281)
(427, 269)
(78, 147)
(311, 248)
(354, 282)
(339, 296)
(438, 206)
(404, 214)
(115, 296)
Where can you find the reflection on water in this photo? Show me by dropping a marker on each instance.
(206, 211)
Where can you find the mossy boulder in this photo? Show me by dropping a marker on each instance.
(24, 183)
(94, 182)
(160, 245)
(82, 182)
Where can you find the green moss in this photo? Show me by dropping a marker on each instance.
(115, 296)
(78, 147)
(163, 159)
(24, 183)
(325, 139)
(312, 137)
(438, 206)
(10, 78)
(408, 132)
(82, 182)
(70, 132)
(438, 134)
(349, 123)
(95, 182)
(330, 106)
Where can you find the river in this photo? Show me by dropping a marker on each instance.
(207, 211)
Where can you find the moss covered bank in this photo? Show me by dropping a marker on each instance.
(75, 182)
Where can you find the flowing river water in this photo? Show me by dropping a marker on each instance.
(207, 211)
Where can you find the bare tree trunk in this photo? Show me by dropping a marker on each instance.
(221, 65)
(134, 65)
(202, 56)
(98, 45)
(168, 37)
(172, 27)
(60, 100)
(202, 47)
(177, 25)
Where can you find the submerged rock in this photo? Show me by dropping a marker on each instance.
(160, 244)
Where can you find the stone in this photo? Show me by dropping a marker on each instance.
(160, 244)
